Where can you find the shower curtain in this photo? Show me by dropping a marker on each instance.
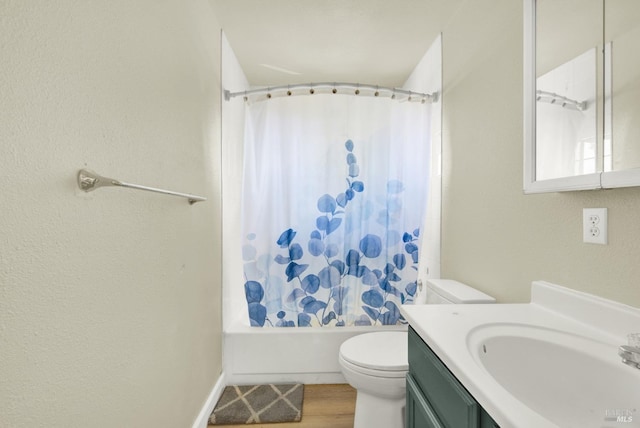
(333, 199)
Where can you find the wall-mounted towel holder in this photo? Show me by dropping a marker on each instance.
(89, 180)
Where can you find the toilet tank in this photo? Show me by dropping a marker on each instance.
(451, 291)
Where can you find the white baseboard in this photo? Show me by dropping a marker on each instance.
(306, 378)
(203, 417)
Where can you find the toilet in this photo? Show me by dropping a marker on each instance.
(376, 364)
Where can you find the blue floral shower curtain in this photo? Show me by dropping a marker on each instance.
(333, 195)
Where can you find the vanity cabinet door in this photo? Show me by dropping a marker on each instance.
(453, 404)
(419, 413)
(435, 396)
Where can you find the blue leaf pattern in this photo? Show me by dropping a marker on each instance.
(349, 145)
(257, 314)
(295, 252)
(326, 320)
(329, 277)
(314, 306)
(373, 314)
(311, 283)
(371, 246)
(326, 204)
(306, 300)
(411, 247)
(373, 298)
(338, 264)
(304, 320)
(369, 277)
(253, 291)
(394, 186)
(357, 186)
(342, 200)
(332, 250)
(411, 288)
(400, 261)
(294, 270)
(350, 194)
(281, 260)
(353, 258)
(318, 281)
(334, 224)
(316, 247)
(285, 238)
(322, 222)
(297, 293)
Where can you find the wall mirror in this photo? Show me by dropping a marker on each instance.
(582, 94)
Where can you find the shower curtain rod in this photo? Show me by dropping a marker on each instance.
(333, 87)
(553, 98)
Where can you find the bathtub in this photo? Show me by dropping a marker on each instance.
(294, 354)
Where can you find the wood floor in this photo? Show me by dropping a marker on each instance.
(323, 406)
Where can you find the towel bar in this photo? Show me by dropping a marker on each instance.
(89, 180)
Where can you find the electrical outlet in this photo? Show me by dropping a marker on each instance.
(594, 225)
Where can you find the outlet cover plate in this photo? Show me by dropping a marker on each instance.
(594, 225)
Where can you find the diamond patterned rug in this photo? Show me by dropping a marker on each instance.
(254, 404)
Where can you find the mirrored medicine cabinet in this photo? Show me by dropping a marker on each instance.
(581, 94)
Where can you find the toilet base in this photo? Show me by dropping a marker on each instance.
(377, 412)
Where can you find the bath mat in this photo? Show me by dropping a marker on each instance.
(256, 404)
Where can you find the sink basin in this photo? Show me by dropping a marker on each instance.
(570, 380)
(550, 363)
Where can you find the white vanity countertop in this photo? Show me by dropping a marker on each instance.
(447, 329)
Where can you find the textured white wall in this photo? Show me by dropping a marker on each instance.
(109, 301)
(233, 112)
(494, 237)
(426, 77)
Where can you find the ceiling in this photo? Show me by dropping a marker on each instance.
(379, 42)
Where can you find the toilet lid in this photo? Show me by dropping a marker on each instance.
(385, 350)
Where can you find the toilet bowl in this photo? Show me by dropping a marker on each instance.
(376, 364)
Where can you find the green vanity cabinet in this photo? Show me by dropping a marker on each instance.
(435, 398)
(418, 411)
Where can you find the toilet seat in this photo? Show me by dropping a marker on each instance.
(381, 354)
(374, 373)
